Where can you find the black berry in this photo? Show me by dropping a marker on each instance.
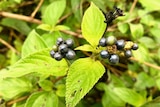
(69, 42)
(128, 53)
(104, 54)
(70, 54)
(52, 52)
(135, 46)
(114, 59)
(102, 42)
(120, 44)
(58, 56)
(63, 48)
(111, 40)
(60, 41)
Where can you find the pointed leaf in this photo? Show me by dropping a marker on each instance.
(93, 25)
(85, 47)
(53, 12)
(82, 76)
(151, 6)
(32, 44)
(11, 87)
(42, 99)
(39, 62)
(130, 96)
(154, 103)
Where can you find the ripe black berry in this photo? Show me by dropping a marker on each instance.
(69, 42)
(135, 46)
(70, 54)
(58, 56)
(63, 48)
(102, 42)
(128, 53)
(114, 59)
(110, 40)
(60, 41)
(104, 54)
(120, 44)
(52, 52)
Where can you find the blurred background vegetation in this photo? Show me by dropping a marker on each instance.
(140, 24)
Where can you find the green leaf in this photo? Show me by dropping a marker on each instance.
(11, 87)
(93, 25)
(123, 27)
(61, 27)
(82, 76)
(45, 27)
(53, 12)
(154, 103)
(32, 44)
(42, 99)
(129, 96)
(151, 6)
(46, 85)
(39, 62)
(85, 47)
(18, 25)
(61, 90)
(144, 81)
(109, 98)
(148, 42)
(137, 30)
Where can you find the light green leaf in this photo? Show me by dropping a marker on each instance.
(123, 27)
(46, 85)
(129, 96)
(137, 30)
(109, 98)
(11, 87)
(61, 27)
(53, 12)
(154, 103)
(45, 27)
(39, 62)
(19, 25)
(85, 47)
(61, 90)
(93, 25)
(42, 99)
(151, 6)
(32, 44)
(148, 42)
(82, 76)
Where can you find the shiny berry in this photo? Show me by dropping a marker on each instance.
(135, 46)
(104, 54)
(70, 54)
(128, 53)
(120, 44)
(60, 41)
(114, 59)
(63, 48)
(52, 52)
(110, 40)
(58, 56)
(102, 42)
(55, 48)
(69, 42)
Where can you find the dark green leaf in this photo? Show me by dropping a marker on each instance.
(39, 62)
(93, 25)
(53, 12)
(32, 44)
(11, 87)
(82, 76)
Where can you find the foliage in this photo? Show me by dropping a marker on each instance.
(30, 77)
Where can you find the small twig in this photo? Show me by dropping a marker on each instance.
(37, 8)
(72, 33)
(57, 79)
(64, 17)
(8, 46)
(133, 6)
(146, 63)
(20, 17)
(17, 100)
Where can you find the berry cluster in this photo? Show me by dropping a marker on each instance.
(63, 49)
(115, 48)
